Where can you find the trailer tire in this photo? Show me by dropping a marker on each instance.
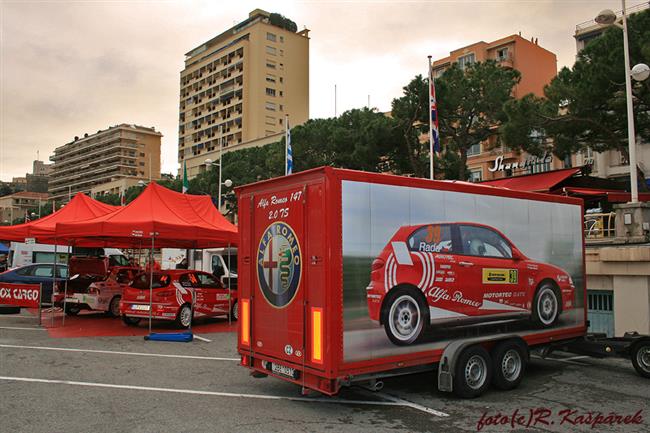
(184, 316)
(473, 372)
(640, 355)
(405, 316)
(114, 307)
(72, 310)
(509, 364)
(130, 321)
(546, 305)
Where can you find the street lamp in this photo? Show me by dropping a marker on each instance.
(142, 183)
(639, 72)
(227, 183)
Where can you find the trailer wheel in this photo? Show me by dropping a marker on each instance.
(546, 306)
(405, 316)
(640, 355)
(114, 307)
(509, 363)
(130, 321)
(72, 310)
(473, 372)
(184, 316)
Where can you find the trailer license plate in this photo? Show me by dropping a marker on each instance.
(139, 307)
(284, 371)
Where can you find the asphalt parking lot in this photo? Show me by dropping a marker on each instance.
(119, 384)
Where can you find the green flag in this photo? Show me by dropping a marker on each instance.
(186, 183)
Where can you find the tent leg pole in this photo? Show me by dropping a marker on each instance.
(151, 281)
(53, 283)
(229, 294)
(65, 286)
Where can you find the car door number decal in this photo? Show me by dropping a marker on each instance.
(500, 276)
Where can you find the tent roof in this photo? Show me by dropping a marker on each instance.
(172, 219)
(80, 208)
(540, 182)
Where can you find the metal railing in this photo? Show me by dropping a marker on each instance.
(600, 226)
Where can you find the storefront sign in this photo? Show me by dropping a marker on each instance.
(20, 295)
(530, 161)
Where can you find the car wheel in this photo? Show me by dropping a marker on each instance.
(405, 317)
(184, 316)
(509, 364)
(9, 310)
(473, 372)
(114, 307)
(234, 311)
(546, 306)
(130, 321)
(640, 355)
(72, 310)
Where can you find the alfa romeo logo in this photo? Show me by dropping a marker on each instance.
(279, 264)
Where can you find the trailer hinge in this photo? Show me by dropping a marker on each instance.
(316, 259)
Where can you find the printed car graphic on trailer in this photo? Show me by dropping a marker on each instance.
(460, 272)
(172, 297)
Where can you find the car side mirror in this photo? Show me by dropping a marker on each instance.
(516, 255)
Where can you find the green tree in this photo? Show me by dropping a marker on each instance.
(585, 106)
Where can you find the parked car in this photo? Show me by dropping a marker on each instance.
(102, 294)
(40, 273)
(460, 273)
(172, 297)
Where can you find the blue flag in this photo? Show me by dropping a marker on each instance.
(289, 163)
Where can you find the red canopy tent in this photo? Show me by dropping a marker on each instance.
(158, 215)
(80, 208)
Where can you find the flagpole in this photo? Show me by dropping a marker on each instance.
(286, 144)
(430, 121)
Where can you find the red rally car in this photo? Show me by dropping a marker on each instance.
(172, 297)
(460, 273)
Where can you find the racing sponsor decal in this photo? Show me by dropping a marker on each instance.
(439, 294)
(500, 276)
(279, 264)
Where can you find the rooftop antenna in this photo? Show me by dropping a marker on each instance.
(335, 100)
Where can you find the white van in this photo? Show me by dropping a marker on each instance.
(22, 254)
(221, 262)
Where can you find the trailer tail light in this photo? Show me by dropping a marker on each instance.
(245, 322)
(317, 335)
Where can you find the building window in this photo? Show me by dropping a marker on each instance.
(281, 80)
(271, 106)
(502, 54)
(270, 37)
(281, 52)
(281, 93)
(476, 175)
(269, 132)
(281, 38)
(466, 60)
(271, 50)
(270, 120)
(474, 149)
(270, 78)
(270, 64)
(270, 92)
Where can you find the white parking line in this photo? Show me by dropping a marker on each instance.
(114, 352)
(223, 394)
(22, 329)
(198, 337)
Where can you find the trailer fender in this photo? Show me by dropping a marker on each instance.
(448, 360)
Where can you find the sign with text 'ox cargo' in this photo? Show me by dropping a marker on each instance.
(345, 274)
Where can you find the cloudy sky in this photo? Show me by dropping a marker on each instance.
(70, 67)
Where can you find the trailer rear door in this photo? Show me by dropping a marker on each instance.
(277, 268)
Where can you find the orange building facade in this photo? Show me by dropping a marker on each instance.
(490, 159)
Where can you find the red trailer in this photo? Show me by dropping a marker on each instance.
(348, 276)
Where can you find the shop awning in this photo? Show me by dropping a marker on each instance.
(540, 182)
(612, 196)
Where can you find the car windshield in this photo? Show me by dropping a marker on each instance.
(117, 260)
(159, 280)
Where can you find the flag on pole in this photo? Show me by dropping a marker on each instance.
(122, 197)
(53, 206)
(186, 183)
(27, 217)
(289, 162)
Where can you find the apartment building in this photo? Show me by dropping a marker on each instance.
(237, 88)
(488, 160)
(121, 151)
(17, 205)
